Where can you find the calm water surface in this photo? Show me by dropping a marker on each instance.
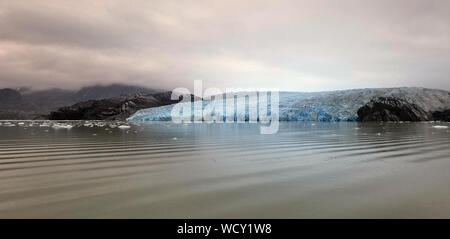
(163, 170)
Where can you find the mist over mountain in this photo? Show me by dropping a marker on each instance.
(9, 96)
(53, 98)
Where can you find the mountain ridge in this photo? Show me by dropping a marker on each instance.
(37, 104)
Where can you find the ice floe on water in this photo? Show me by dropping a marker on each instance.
(67, 124)
(440, 126)
(8, 124)
(112, 126)
(62, 126)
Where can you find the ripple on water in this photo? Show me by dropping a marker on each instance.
(116, 169)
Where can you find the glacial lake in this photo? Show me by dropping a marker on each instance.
(166, 170)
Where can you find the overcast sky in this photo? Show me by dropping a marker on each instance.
(291, 45)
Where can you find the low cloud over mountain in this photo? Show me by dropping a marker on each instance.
(291, 45)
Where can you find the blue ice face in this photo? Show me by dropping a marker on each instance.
(323, 106)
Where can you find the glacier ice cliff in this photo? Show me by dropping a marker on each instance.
(341, 105)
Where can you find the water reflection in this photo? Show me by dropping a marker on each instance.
(158, 170)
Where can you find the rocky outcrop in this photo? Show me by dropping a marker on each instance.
(441, 115)
(118, 108)
(391, 109)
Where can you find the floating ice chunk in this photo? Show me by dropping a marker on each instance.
(62, 126)
(100, 124)
(124, 127)
(440, 126)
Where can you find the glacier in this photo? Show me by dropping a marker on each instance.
(328, 106)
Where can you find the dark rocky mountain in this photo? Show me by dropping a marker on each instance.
(391, 109)
(118, 108)
(28, 104)
(45, 100)
(13, 106)
(55, 98)
(10, 96)
(109, 91)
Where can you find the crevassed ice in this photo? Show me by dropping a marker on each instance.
(324, 106)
